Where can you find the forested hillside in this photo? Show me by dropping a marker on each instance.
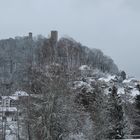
(71, 92)
(17, 55)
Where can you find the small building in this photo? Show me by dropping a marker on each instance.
(9, 101)
(8, 112)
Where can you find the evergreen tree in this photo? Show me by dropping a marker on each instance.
(123, 75)
(116, 116)
(137, 116)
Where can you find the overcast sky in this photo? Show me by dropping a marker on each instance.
(110, 25)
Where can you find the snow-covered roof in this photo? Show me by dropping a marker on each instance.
(129, 80)
(84, 67)
(131, 95)
(20, 93)
(135, 92)
(79, 84)
(10, 97)
(79, 136)
(108, 78)
(9, 109)
(121, 91)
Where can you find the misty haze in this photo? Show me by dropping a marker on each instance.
(69, 69)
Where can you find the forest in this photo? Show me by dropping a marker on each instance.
(58, 89)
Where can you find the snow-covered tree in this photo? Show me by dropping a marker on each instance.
(116, 116)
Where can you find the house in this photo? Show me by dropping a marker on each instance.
(8, 107)
(9, 101)
(8, 112)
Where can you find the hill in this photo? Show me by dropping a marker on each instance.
(72, 92)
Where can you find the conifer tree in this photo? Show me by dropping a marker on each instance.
(116, 116)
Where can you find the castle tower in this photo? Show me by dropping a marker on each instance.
(30, 35)
(54, 36)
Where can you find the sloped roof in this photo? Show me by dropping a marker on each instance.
(10, 97)
(20, 93)
(9, 109)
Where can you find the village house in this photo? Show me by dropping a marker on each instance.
(8, 112)
(8, 107)
(9, 101)
(9, 104)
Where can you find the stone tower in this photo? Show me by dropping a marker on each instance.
(54, 36)
(30, 35)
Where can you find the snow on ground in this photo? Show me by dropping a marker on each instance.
(10, 137)
(130, 95)
(108, 78)
(135, 92)
(84, 67)
(129, 80)
(12, 130)
(79, 84)
(79, 136)
(106, 91)
(121, 91)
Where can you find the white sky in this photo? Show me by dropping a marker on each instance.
(110, 25)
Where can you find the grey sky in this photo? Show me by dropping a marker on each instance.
(111, 25)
